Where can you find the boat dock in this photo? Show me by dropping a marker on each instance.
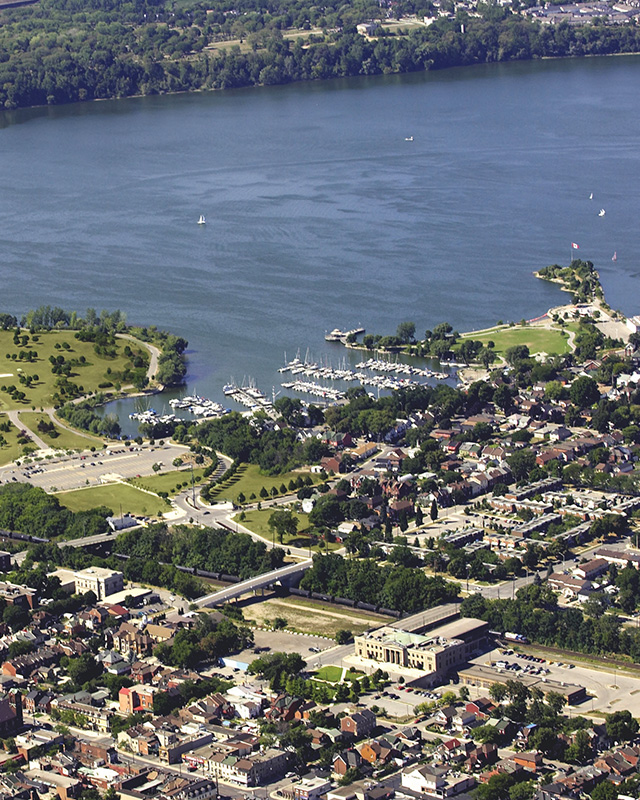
(199, 406)
(337, 335)
(249, 396)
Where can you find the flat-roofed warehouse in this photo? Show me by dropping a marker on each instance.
(473, 632)
(485, 677)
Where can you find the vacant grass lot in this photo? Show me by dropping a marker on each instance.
(65, 440)
(10, 450)
(171, 482)
(115, 496)
(40, 394)
(249, 481)
(538, 340)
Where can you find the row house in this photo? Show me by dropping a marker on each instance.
(37, 702)
(251, 770)
(26, 664)
(591, 569)
(570, 586)
(98, 719)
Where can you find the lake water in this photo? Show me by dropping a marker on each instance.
(319, 213)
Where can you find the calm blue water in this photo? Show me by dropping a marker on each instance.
(319, 213)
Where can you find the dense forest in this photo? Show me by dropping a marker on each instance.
(61, 51)
(30, 510)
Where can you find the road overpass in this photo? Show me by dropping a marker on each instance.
(276, 576)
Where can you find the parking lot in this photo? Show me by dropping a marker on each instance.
(90, 469)
(609, 689)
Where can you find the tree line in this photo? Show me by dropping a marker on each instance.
(210, 549)
(536, 614)
(60, 52)
(397, 588)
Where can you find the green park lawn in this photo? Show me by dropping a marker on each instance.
(40, 394)
(65, 440)
(332, 674)
(329, 674)
(10, 449)
(115, 496)
(171, 482)
(538, 340)
(248, 480)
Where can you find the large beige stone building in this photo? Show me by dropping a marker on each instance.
(436, 652)
(102, 582)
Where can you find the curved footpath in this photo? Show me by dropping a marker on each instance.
(153, 350)
(14, 416)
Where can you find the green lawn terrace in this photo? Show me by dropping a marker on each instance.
(116, 496)
(46, 368)
(248, 484)
(538, 339)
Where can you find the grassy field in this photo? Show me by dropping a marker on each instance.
(11, 449)
(115, 496)
(66, 440)
(249, 480)
(538, 340)
(310, 616)
(171, 482)
(89, 374)
(257, 521)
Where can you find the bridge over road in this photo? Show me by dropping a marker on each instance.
(282, 575)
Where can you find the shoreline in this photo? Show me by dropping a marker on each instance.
(207, 90)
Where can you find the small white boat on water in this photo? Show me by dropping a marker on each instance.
(602, 212)
(202, 220)
(591, 196)
(408, 138)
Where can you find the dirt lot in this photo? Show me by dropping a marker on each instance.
(309, 617)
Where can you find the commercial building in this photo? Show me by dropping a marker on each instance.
(102, 582)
